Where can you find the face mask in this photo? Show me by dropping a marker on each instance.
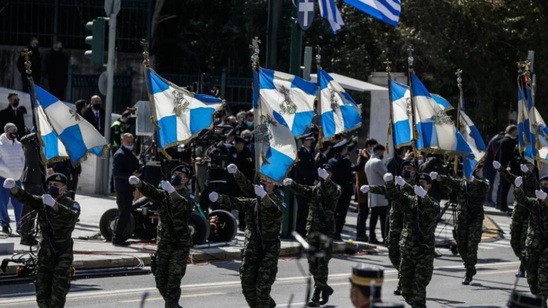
(128, 147)
(249, 123)
(176, 180)
(15, 103)
(96, 107)
(406, 174)
(544, 189)
(53, 191)
(381, 156)
(13, 135)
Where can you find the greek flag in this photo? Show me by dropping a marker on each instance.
(435, 128)
(77, 135)
(339, 112)
(329, 11)
(384, 10)
(473, 137)
(525, 136)
(52, 147)
(288, 99)
(540, 131)
(178, 113)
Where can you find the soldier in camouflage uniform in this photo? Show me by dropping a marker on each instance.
(320, 226)
(520, 214)
(469, 223)
(408, 174)
(173, 238)
(537, 238)
(57, 217)
(420, 213)
(263, 216)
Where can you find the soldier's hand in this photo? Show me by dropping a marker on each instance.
(167, 187)
(433, 175)
(9, 183)
(288, 181)
(540, 194)
(400, 181)
(496, 165)
(259, 191)
(232, 168)
(518, 181)
(133, 180)
(388, 177)
(364, 189)
(419, 191)
(213, 196)
(48, 200)
(323, 173)
(523, 168)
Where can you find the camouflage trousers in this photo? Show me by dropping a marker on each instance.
(394, 248)
(258, 272)
(468, 237)
(416, 267)
(52, 281)
(537, 269)
(319, 266)
(518, 230)
(171, 263)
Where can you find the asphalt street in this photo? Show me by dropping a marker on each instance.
(217, 284)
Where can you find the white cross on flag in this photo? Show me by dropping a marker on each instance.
(305, 14)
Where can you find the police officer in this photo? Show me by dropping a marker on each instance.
(320, 225)
(364, 280)
(305, 174)
(173, 239)
(57, 217)
(469, 225)
(417, 238)
(263, 215)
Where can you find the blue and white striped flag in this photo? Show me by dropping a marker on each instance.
(540, 131)
(339, 112)
(329, 11)
(288, 98)
(78, 136)
(384, 10)
(525, 132)
(179, 114)
(402, 125)
(473, 137)
(435, 128)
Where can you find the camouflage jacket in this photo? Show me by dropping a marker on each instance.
(470, 197)
(323, 199)
(529, 181)
(396, 213)
(174, 212)
(538, 219)
(56, 226)
(420, 217)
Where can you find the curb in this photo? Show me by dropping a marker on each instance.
(491, 231)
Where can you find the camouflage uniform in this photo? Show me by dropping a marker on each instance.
(470, 215)
(320, 221)
(520, 214)
(536, 243)
(420, 217)
(173, 240)
(261, 250)
(54, 262)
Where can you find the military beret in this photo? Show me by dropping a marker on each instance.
(407, 163)
(57, 177)
(426, 177)
(543, 178)
(182, 168)
(365, 275)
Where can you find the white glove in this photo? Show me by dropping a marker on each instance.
(232, 168)
(496, 165)
(364, 189)
(213, 196)
(388, 177)
(518, 181)
(167, 186)
(48, 200)
(523, 168)
(540, 194)
(288, 181)
(433, 175)
(259, 191)
(399, 180)
(419, 191)
(323, 173)
(133, 180)
(9, 183)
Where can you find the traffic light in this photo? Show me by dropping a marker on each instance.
(96, 40)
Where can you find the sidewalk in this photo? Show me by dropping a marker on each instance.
(91, 251)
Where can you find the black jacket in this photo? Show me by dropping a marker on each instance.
(89, 115)
(34, 173)
(7, 115)
(305, 169)
(124, 164)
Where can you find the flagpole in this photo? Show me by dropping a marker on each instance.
(319, 105)
(410, 74)
(458, 73)
(390, 131)
(255, 66)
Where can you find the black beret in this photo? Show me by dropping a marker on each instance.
(57, 177)
(543, 178)
(426, 177)
(364, 275)
(182, 168)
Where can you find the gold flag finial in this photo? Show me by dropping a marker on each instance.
(146, 59)
(410, 58)
(255, 51)
(388, 67)
(26, 53)
(318, 56)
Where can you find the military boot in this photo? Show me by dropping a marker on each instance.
(470, 272)
(397, 291)
(521, 270)
(315, 300)
(326, 292)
